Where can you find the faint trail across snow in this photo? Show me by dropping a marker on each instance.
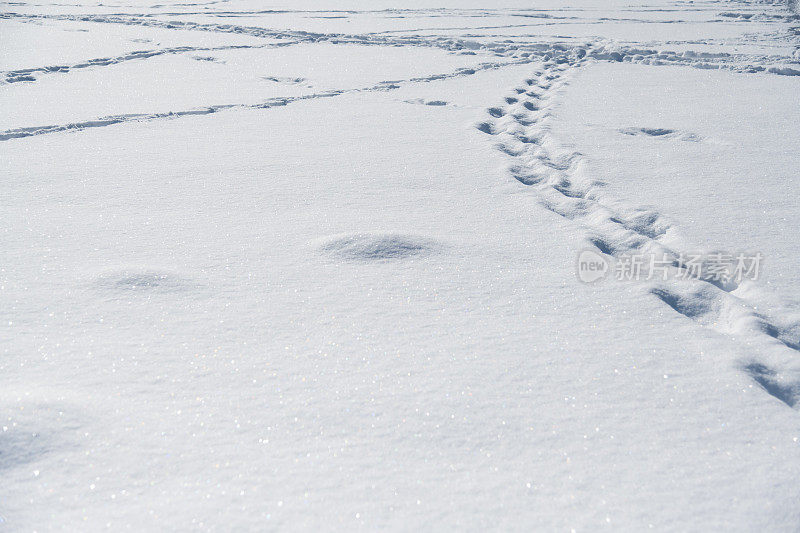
(18, 133)
(26, 74)
(604, 49)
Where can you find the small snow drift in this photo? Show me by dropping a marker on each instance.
(377, 246)
(143, 280)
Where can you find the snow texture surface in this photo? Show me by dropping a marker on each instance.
(313, 265)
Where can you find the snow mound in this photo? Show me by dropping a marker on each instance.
(377, 246)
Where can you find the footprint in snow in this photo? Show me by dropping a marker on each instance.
(771, 381)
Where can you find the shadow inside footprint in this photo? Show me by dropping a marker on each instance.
(694, 306)
(603, 245)
(768, 379)
(486, 127)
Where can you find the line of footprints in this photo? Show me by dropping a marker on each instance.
(521, 129)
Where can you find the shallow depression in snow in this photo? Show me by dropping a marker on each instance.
(29, 431)
(377, 246)
(22, 446)
(144, 280)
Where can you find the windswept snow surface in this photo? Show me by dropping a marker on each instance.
(312, 266)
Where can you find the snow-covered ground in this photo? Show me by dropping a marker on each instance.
(315, 265)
